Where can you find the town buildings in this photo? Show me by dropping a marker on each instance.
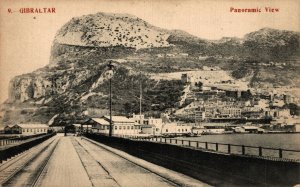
(175, 128)
(121, 125)
(27, 129)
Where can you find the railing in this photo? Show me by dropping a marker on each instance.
(16, 140)
(289, 154)
(7, 152)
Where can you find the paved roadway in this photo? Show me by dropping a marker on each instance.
(79, 162)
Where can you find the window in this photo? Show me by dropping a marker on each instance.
(131, 127)
(116, 127)
(128, 127)
(107, 127)
(124, 127)
(166, 130)
(120, 127)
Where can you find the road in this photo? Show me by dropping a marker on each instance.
(80, 162)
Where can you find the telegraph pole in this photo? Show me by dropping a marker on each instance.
(110, 66)
(140, 98)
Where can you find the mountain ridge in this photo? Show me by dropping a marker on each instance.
(74, 67)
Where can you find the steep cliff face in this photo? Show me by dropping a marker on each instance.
(25, 88)
(82, 48)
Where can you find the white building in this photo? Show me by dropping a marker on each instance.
(198, 130)
(153, 121)
(149, 125)
(174, 128)
(30, 129)
(148, 129)
(139, 119)
(121, 125)
(82, 127)
(214, 128)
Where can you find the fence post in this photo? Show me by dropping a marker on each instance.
(175, 141)
(206, 145)
(243, 149)
(170, 141)
(197, 145)
(229, 149)
(217, 147)
(259, 151)
(181, 142)
(189, 143)
(165, 140)
(280, 153)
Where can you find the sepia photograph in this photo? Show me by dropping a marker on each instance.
(153, 93)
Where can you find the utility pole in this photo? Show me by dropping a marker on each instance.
(110, 66)
(141, 98)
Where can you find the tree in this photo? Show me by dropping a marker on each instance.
(294, 109)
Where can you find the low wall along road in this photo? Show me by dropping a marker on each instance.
(211, 167)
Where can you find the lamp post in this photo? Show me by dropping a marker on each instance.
(110, 67)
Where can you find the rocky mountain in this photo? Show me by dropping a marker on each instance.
(75, 78)
(110, 30)
(271, 44)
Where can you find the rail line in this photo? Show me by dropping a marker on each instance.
(161, 176)
(37, 168)
(20, 157)
(41, 170)
(12, 169)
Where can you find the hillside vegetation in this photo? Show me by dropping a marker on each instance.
(85, 45)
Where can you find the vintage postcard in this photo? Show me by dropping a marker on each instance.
(149, 93)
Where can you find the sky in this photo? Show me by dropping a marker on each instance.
(26, 39)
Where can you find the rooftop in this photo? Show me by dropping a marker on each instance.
(32, 125)
(120, 119)
(101, 121)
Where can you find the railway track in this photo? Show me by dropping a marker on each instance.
(16, 160)
(26, 168)
(170, 182)
(94, 149)
(36, 181)
(73, 161)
